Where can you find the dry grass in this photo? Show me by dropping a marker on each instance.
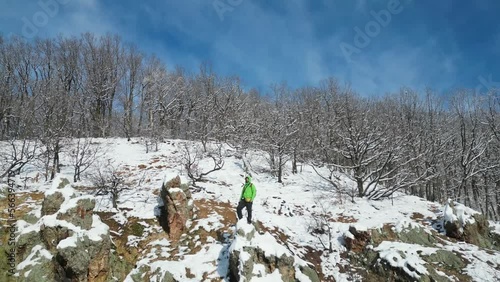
(24, 203)
(314, 257)
(344, 219)
(275, 231)
(417, 216)
(128, 253)
(205, 209)
(385, 234)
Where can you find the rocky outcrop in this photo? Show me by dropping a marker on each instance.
(139, 274)
(52, 203)
(176, 207)
(248, 258)
(310, 273)
(356, 240)
(69, 242)
(421, 261)
(79, 215)
(462, 224)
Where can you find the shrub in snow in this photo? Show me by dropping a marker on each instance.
(192, 156)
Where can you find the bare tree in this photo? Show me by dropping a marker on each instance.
(130, 87)
(192, 155)
(472, 142)
(320, 226)
(16, 155)
(109, 181)
(160, 97)
(102, 70)
(277, 130)
(84, 153)
(75, 87)
(492, 114)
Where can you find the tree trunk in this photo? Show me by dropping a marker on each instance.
(497, 196)
(359, 182)
(280, 168)
(75, 176)
(114, 199)
(55, 163)
(294, 162)
(475, 197)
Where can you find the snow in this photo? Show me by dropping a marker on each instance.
(449, 216)
(95, 233)
(198, 264)
(287, 208)
(273, 277)
(459, 213)
(67, 191)
(269, 244)
(481, 271)
(98, 229)
(300, 276)
(405, 256)
(210, 223)
(175, 190)
(484, 266)
(495, 226)
(404, 224)
(265, 242)
(68, 243)
(34, 257)
(160, 242)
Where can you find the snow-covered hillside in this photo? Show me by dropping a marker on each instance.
(301, 217)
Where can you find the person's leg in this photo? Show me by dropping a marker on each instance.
(249, 211)
(241, 204)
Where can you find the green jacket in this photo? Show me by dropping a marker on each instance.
(248, 191)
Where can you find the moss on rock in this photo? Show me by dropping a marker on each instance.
(136, 229)
(119, 268)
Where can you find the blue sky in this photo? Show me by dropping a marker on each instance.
(438, 44)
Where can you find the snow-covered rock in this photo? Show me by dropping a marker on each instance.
(68, 231)
(254, 256)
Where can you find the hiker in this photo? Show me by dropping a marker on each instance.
(246, 199)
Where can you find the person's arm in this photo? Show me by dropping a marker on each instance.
(242, 192)
(254, 192)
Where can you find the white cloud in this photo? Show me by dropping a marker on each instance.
(84, 16)
(315, 66)
(398, 63)
(265, 45)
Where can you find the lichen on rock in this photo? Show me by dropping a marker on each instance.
(70, 241)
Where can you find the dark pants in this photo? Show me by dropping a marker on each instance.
(243, 204)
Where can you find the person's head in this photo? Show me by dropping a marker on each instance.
(248, 179)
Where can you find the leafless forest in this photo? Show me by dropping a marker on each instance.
(422, 143)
